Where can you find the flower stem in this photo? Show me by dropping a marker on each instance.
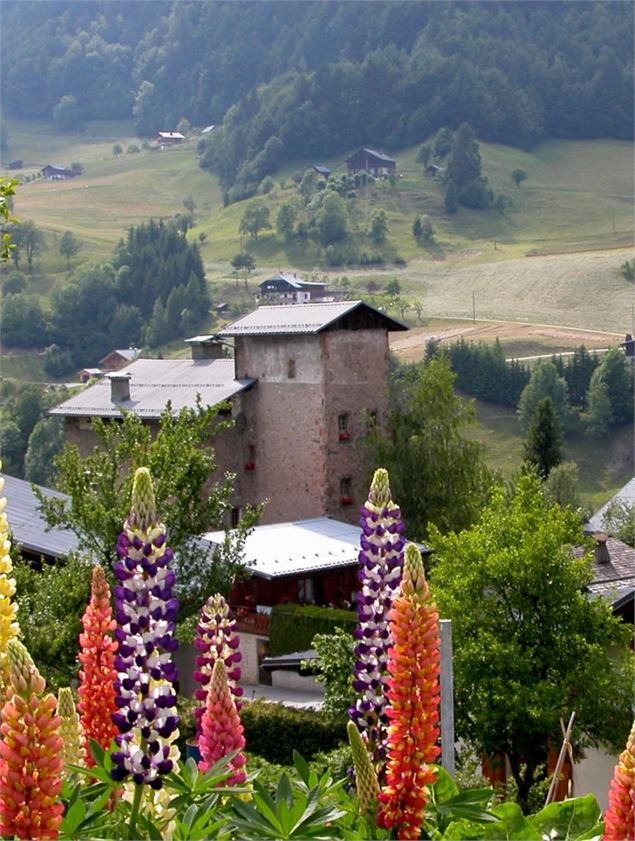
(136, 803)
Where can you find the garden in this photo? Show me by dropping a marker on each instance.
(105, 759)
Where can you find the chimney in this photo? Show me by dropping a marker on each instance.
(119, 386)
(206, 347)
(601, 551)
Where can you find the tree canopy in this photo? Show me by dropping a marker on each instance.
(530, 645)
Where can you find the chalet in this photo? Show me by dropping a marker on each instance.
(370, 162)
(169, 138)
(324, 171)
(303, 381)
(432, 170)
(118, 359)
(57, 173)
(29, 531)
(283, 288)
(87, 374)
(15, 164)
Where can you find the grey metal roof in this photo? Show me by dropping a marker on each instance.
(294, 281)
(299, 318)
(154, 382)
(379, 155)
(27, 524)
(625, 496)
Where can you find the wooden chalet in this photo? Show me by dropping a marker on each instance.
(169, 138)
(371, 162)
(51, 172)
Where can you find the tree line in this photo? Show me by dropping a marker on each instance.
(153, 291)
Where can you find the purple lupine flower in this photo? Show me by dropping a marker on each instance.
(380, 566)
(145, 611)
(216, 639)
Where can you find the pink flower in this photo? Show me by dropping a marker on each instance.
(221, 730)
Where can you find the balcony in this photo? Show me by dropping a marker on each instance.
(249, 621)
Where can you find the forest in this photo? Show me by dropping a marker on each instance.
(299, 78)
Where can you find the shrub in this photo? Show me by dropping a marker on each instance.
(273, 731)
(133, 149)
(293, 626)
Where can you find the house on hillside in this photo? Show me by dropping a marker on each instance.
(432, 170)
(302, 384)
(169, 138)
(324, 171)
(285, 288)
(118, 359)
(87, 374)
(370, 162)
(51, 172)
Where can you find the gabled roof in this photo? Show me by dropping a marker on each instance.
(154, 383)
(292, 280)
(618, 574)
(625, 496)
(129, 353)
(380, 155)
(322, 170)
(208, 129)
(27, 524)
(171, 135)
(301, 318)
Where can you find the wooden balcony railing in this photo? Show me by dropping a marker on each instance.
(250, 622)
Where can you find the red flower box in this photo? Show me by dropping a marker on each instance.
(345, 436)
(250, 467)
(346, 500)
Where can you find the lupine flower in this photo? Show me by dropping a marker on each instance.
(9, 628)
(30, 753)
(70, 731)
(365, 774)
(221, 730)
(619, 818)
(216, 639)
(145, 611)
(380, 563)
(413, 702)
(97, 675)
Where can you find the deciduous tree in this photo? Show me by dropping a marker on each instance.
(70, 246)
(255, 219)
(530, 645)
(518, 176)
(543, 382)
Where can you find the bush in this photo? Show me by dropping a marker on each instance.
(133, 149)
(293, 626)
(274, 731)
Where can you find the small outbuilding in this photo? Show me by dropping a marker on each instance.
(324, 171)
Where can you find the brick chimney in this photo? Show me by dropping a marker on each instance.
(206, 347)
(119, 386)
(600, 551)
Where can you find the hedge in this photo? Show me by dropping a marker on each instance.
(293, 626)
(274, 731)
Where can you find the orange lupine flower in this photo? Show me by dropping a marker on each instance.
(30, 753)
(9, 628)
(98, 674)
(619, 818)
(413, 702)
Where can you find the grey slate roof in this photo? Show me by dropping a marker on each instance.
(154, 382)
(300, 318)
(625, 496)
(616, 579)
(27, 525)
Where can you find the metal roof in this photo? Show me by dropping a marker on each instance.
(294, 281)
(154, 382)
(280, 549)
(27, 525)
(299, 318)
(625, 496)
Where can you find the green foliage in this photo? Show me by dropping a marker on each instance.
(117, 150)
(619, 521)
(544, 382)
(255, 219)
(610, 395)
(529, 645)
(7, 191)
(333, 220)
(51, 602)
(69, 246)
(335, 669)
(424, 153)
(285, 219)
(518, 176)
(181, 460)
(481, 370)
(66, 114)
(294, 626)
(378, 226)
(562, 485)
(23, 321)
(274, 731)
(543, 446)
(436, 474)
(628, 270)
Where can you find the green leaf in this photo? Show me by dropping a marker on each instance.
(444, 787)
(567, 819)
(463, 831)
(511, 824)
(73, 818)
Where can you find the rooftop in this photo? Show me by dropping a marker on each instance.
(154, 383)
(301, 318)
(380, 155)
(294, 281)
(173, 135)
(27, 524)
(625, 497)
(618, 576)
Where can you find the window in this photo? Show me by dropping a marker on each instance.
(250, 464)
(342, 426)
(346, 490)
(306, 592)
(291, 369)
(234, 517)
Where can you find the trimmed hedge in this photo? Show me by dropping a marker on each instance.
(293, 626)
(273, 731)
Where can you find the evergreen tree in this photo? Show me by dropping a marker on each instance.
(615, 371)
(544, 382)
(157, 331)
(543, 447)
(378, 227)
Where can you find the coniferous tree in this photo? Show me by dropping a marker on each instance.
(543, 447)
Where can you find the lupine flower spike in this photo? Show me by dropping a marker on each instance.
(365, 774)
(619, 818)
(70, 731)
(30, 753)
(9, 628)
(221, 730)
(98, 674)
(413, 702)
(145, 611)
(216, 639)
(380, 564)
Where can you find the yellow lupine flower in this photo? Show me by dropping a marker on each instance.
(9, 627)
